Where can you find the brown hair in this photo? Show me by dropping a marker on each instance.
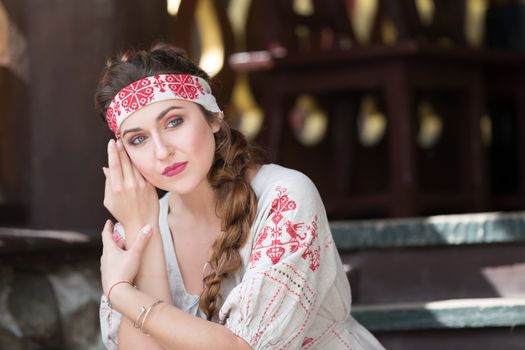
(236, 200)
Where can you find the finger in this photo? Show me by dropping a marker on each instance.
(118, 236)
(138, 176)
(115, 170)
(106, 233)
(141, 241)
(128, 175)
(107, 191)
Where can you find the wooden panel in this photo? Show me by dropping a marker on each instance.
(69, 42)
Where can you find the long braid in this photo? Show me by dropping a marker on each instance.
(236, 206)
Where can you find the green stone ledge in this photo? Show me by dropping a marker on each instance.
(18, 240)
(439, 230)
(446, 314)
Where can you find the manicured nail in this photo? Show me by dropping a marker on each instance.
(146, 230)
(116, 236)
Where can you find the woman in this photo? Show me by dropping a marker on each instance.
(237, 254)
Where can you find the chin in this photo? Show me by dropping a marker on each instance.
(183, 186)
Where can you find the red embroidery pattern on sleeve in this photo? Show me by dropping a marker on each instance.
(309, 341)
(343, 341)
(282, 236)
(292, 283)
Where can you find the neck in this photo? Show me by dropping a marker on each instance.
(197, 206)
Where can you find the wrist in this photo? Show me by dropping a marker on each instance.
(119, 294)
(133, 228)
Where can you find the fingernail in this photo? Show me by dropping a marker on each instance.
(146, 230)
(116, 236)
(107, 225)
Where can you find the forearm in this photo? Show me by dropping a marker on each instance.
(152, 279)
(131, 338)
(173, 328)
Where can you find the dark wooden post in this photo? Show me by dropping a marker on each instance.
(399, 100)
(520, 121)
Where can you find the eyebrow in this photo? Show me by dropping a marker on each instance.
(159, 117)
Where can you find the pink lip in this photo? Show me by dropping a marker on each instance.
(174, 169)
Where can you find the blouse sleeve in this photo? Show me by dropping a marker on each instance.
(109, 324)
(109, 318)
(292, 268)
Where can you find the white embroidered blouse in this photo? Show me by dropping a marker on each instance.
(292, 292)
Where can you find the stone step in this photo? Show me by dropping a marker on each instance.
(442, 314)
(492, 323)
(21, 245)
(434, 258)
(436, 273)
(440, 230)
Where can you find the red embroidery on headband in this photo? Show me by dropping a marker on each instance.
(136, 95)
(184, 86)
(159, 83)
(157, 88)
(112, 122)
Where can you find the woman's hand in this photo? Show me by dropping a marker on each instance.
(131, 199)
(117, 264)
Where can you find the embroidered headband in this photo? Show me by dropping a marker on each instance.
(158, 88)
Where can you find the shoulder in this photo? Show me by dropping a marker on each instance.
(277, 185)
(273, 176)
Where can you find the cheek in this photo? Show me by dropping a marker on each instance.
(204, 144)
(142, 163)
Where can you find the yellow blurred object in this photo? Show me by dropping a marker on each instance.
(444, 42)
(371, 122)
(4, 35)
(425, 9)
(212, 47)
(430, 126)
(303, 37)
(308, 121)
(363, 18)
(173, 7)
(475, 21)
(13, 47)
(250, 115)
(388, 31)
(238, 14)
(303, 7)
(485, 125)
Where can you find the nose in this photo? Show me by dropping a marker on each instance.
(163, 149)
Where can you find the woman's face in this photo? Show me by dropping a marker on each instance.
(171, 143)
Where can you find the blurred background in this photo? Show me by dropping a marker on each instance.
(398, 110)
(393, 108)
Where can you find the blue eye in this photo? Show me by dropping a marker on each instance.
(137, 140)
(174, 122)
